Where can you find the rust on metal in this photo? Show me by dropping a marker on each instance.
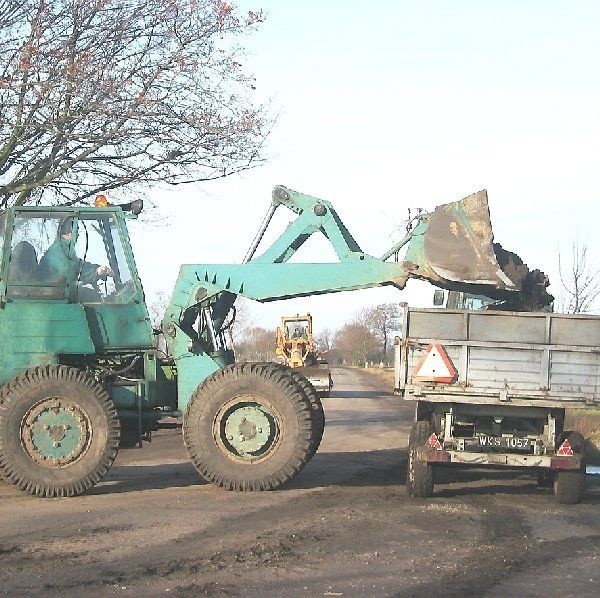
(458, 243)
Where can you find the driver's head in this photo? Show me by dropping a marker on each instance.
(66, 228)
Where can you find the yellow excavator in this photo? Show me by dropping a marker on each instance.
(296, 348)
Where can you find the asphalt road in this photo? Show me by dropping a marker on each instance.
(343, 527)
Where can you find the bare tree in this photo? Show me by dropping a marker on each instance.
(356, 343)
(324, 339)
(580, 281)
(258, 344)
(156, 309)
(384, 321)
(243, 320)
(104, 94)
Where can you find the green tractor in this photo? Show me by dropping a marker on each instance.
(81, 374)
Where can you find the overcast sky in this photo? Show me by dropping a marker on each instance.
(387, 105)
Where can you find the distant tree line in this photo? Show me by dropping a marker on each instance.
(368, 337)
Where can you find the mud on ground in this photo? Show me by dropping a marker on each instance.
(344, 527)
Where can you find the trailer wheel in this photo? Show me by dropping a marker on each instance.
(59, 431)
(249, 427)
(569, 486)
(419, 475)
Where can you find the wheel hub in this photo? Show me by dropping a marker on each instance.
(55, 432)
(247, 430)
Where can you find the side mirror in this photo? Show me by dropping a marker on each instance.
(438, 297)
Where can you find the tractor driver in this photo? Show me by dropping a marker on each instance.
(60, 262)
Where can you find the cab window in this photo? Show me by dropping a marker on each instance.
(32, 237)
(69, 255)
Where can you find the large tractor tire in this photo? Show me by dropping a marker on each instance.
(317, 413)
(59, 431)
(419, 474)
(249, 427)
(569, 486)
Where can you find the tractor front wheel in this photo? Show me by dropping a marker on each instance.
(249, 427)
(317, 413)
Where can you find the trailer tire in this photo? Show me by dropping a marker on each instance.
(569, 485)
(249, 427)
(419, 474)
(59, 431)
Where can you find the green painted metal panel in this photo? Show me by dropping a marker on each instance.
(118, 327)
(35, 333)
(193, 367)
(37, 325)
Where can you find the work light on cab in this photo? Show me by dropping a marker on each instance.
(135, 207)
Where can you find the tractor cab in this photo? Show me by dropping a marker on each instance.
(70, 271)
(78, 256)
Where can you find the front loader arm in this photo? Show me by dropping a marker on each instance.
(462, 230)
(450, 247)
(270, 276)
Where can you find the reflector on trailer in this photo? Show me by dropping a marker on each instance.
(565, 450)
(435, 366)
(434, 442)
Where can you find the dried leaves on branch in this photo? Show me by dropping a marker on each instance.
(100, 94)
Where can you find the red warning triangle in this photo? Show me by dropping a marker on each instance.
(565, 450)
(435, 366)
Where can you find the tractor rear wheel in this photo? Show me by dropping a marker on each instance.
(59, 431)
(419, 475)
(249, 427)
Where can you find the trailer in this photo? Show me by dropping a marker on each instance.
(491, 389)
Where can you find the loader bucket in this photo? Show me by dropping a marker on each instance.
(453, 248)
(458, 244)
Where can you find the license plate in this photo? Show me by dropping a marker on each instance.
(511, 443)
